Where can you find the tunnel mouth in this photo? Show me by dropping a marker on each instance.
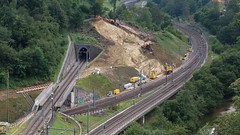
(83, 54)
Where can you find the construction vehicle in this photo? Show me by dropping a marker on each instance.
(98, 17)
(129, 86)
(113, 22)
(109, 93)
(169, 69)
(3, 127)
(147, 47)
(116, 91)
(190, 49)
(152, 74)
(134, 79)
(185, 55)
(142, 82)
(96, 71)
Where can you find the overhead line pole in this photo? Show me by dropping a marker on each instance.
(7, 96)
(89, 107)
(172, 72)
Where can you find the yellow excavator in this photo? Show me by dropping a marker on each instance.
(169, 69)
(152, 74)
(190, 49)
(116, 91)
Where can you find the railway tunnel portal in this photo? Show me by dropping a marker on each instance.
(76, 53)
(83, 53)
(86, 52)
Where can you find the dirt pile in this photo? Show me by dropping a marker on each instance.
(125, 50)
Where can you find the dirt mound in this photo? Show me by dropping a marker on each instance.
(126, 51)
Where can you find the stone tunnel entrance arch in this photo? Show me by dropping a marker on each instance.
(86, 52)
(83, 54)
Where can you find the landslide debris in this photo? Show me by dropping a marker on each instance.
(125, 49)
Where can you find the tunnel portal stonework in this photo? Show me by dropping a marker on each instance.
(86, 52)
(77, 53)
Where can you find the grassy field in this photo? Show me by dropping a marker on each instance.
(17, 107)
(78, 39)
(171, 43)
(65, 124)
(121, 75)
(108, 81)
(96, 82)
(96, 120)
(17, 130)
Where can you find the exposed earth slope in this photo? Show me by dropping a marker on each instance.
(126, 51)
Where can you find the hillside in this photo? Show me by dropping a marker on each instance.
(126, 51)
(30, 32)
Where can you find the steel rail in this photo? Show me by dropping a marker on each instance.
(116, 124)
(45, 112)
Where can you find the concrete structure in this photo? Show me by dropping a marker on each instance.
(3, 127)
(79, 53)
(86, 52)
(76, 53)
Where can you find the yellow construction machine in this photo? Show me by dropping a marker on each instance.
(169, 68)
(152, 74)
(190, 49)
(116, 91)
(134, 79)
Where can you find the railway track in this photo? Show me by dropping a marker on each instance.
(150, 86)
(143, 107)
(162, 87)
(119, 122)
(167, 90)
(45, 114)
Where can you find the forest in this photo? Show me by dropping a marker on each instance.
(33, 37)
(32, 30)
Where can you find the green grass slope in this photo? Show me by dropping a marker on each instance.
(99, 83)
(107, 81)
(172, 41)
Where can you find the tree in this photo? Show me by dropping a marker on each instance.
(145, 18)
(126, 14)
(97, 7)
(229, 124)
(39, 67)
(77, 19)
(21, 33)
(160, 19)
(5, 35)
(19, 68)
(135, 129)
(7, 56)
(185, 8)
(235, 86)
(114, 3)
(58, 13)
